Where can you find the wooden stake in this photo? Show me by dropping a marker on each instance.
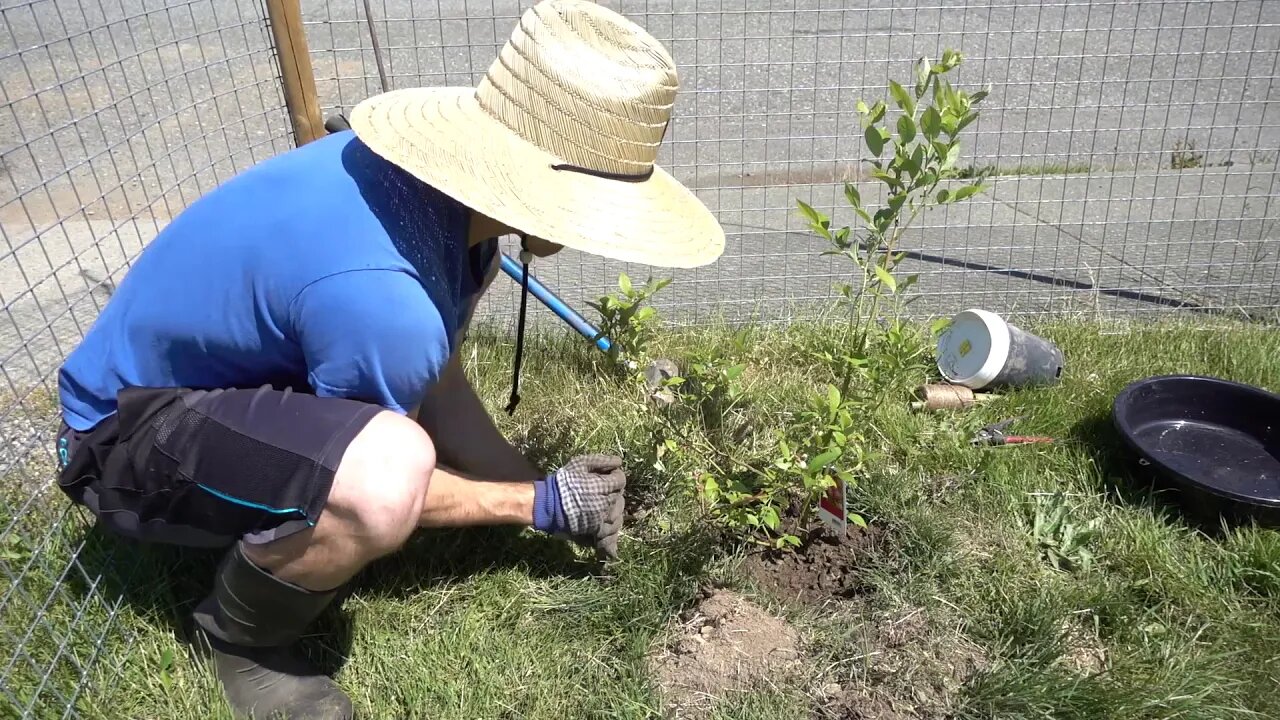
(299, 80)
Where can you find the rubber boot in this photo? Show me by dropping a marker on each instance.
(251, 620)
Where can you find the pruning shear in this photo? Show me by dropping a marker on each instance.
(994, 434)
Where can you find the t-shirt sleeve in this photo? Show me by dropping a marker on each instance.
(371, 335)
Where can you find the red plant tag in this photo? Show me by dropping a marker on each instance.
(831, 509)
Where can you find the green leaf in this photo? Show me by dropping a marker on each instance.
(953, 154)
(937, 327)
(885, 178)
(966, 191)
(931, 123)
(951, 58)
(979, 96)
(924, 67)
(948, 94)
(856, 360)
(733, 372)
(841, 238)
(791, 540)
(833, 398)
(820, 461)
(943, 195)
(818, 222)
(862, 108)
(769, 517)
(896, 202)
(875, 139)
(906, 128)
(903, 98)
(877, 111)
(965, 121)
(917, 159)
(662, 283)
(887, 278)
(852, 195)
(166, 664)
(624, 282)
(12, 549)
(710, 488)
(949, 122)
(858, 520)
(883, 219)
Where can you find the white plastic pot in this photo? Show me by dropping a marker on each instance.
(981, 349)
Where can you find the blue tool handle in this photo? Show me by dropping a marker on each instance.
(513, 269)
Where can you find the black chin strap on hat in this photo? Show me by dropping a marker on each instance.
(525, 258)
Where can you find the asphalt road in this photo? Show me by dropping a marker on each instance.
(115, 116)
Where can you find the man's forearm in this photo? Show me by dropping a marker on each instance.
(454, 500)
(464, 434)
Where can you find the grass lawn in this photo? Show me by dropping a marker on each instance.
(957, 610)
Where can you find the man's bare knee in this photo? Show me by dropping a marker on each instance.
(374, 505)
(381, 483)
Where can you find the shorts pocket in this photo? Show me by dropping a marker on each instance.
(78, 458)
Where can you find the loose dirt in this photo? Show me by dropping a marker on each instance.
(826, 567)
(726, 644)
(910, 663)
(1085, 654)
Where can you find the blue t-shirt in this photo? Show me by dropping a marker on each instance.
(326, 268)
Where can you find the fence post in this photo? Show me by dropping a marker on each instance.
(285, 19)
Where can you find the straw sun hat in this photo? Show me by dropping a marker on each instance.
(559, 139)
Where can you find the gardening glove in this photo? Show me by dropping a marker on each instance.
(583, 500)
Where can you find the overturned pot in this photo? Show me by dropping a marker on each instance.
(981, 349)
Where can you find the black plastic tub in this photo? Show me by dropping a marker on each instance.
(1214, 441)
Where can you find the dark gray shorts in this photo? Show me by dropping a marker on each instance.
(205, 468)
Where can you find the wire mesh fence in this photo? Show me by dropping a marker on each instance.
(1134, 149)
(114, 117)
(1133, 144)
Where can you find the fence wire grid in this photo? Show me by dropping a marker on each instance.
(1134, 143)
(1134, 148)
(114, 117)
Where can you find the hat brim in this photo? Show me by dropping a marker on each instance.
(444, 138)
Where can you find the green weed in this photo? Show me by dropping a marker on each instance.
(1184, 156)
(975, 172)
(628, 321)
(1063, 540)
